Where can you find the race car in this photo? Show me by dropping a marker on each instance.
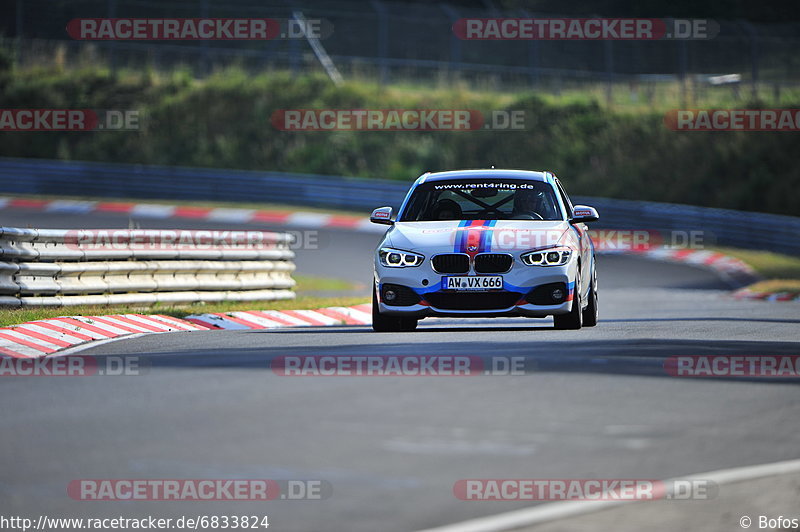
(485, 243)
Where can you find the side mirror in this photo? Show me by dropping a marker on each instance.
(583, 214)
(382, 215)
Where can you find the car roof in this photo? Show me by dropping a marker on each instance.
(486, 173)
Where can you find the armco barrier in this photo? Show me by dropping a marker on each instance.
(724, 227)
(45, 267)
(103, 180)
(39, 176)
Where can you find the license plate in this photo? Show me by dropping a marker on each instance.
(473, 283)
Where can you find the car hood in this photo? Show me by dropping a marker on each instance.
(478, 236)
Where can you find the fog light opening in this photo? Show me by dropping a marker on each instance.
(557, 294)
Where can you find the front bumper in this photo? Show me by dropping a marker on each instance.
(509, 302)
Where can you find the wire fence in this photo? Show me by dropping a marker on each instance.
(395, 41)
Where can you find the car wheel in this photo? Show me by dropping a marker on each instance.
(573, 320)
(408, 324)
(381, 323)
(591, 314)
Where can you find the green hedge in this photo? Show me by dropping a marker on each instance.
(224, 121)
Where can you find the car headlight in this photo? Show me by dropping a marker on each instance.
(397, 258)
(547, 257)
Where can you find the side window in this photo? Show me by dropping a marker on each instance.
(414, 207)
(564, 198)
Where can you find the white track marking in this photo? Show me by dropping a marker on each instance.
(562, 510)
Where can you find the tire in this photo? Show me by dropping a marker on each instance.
(408, 324)
(591, 313)
(381, 323)
(573, 320)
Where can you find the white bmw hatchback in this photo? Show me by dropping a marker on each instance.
(485, 243)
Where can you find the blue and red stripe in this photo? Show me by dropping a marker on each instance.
(475, 233)
(461, 236)
(486, 237)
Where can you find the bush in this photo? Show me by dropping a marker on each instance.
(224, 121)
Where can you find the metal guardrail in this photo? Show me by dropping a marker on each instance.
(68, 178)
(723, 227)
(37, 176)
(45, 267)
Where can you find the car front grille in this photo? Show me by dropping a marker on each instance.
(493, 262)
(473, 301)
(451, 263)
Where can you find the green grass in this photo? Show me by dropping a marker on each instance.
(10, 317)
(775, 286)
(305, 283)
(615, 146)
(767, 264)
(644, 98)
(781, 273)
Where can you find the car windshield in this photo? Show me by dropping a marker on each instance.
(482, 199)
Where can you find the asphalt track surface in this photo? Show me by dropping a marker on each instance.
(596, 403)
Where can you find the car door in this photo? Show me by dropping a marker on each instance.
(584, 241)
